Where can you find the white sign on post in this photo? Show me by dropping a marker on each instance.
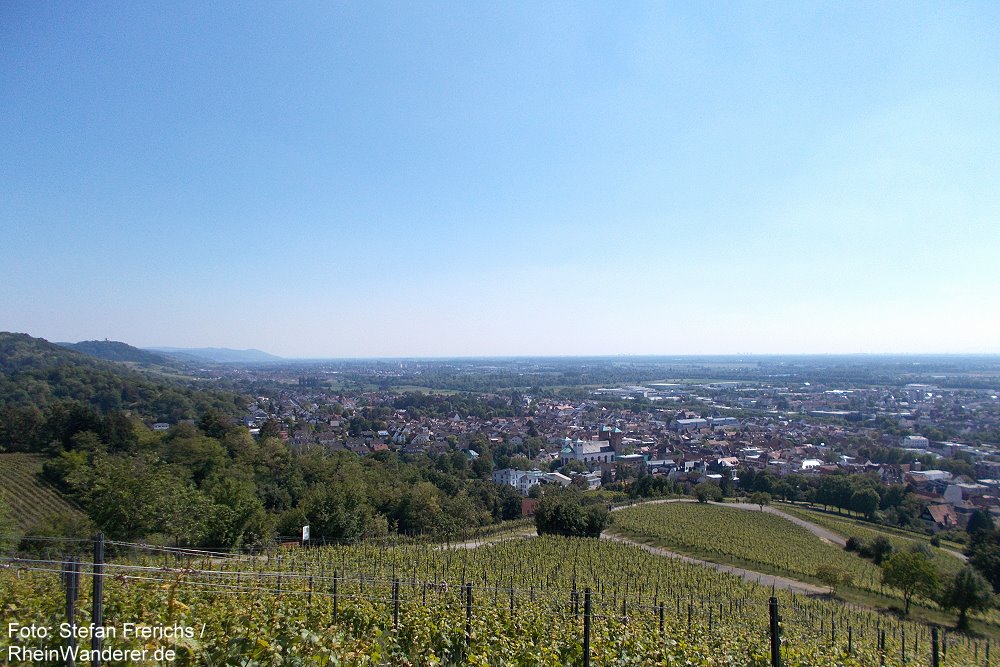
(305, 533)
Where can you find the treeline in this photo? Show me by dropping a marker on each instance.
(213, 484)
(893, 504)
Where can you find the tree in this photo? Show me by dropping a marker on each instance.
(879, 550)
(832, 576)
(865, 502)
(967, 591)
(912, 573)
(980, 522)
(560, 513)
(760, 498)
(707, 491)
(984, 555)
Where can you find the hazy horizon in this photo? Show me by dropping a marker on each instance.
(387, 180)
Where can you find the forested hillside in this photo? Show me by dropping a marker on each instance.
(46, 388)
(112, 350)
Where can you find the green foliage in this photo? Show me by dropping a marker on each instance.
(833, 576)
(967, 591)
(708, 491)
(561, 513)
(256, 626)
(984, 555)
(913, 574)
(45, 387)
(760, 498)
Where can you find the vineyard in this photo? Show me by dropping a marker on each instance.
(759, 540)
(515, 602)
(945, 562)
(30, 500)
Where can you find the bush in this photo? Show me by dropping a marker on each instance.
(563, 515)
(854, 545)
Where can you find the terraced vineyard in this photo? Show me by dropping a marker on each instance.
(758, 540)
(28, 497)
(378, 604)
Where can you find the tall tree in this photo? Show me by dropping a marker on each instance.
(967, 591)
(912, 573)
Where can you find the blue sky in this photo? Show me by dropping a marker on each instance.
(437, 179)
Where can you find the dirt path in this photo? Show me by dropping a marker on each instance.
(749, 575)
(818, 531)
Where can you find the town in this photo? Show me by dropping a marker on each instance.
(938, 440)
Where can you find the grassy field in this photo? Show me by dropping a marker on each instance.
(28, 497)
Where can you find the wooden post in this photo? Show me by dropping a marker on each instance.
(586, 626)
(935, 659)
(468, 614)
(395, 604)
(775, 630)
(97, 613)
(71, 572)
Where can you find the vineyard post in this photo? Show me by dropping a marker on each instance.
(97, 615)
(881, 647)
(586, 626)
(661, 618)
(902, 643)
(934, 648)
(395, 604)
(310, 598)
(336, 578)
(71, 577)
(772, 606)
(850, 640)
(468, 614)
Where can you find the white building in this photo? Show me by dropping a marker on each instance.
(523, 480)
(914, 442)
(588, 451)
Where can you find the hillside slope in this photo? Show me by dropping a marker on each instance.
(112, 350)
(36, 376)
(29, 498)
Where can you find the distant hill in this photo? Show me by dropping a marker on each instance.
(113, 350)
(37, 374)
(221, 355)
